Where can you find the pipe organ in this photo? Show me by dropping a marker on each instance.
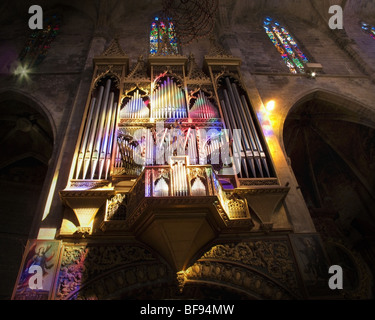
(254, 162)
(135, 108)
(160, 173)
(160, 120)
(94, 158)
(203, 108)
(168, 101)
(168, 148)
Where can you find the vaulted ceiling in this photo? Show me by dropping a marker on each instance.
(112, 12)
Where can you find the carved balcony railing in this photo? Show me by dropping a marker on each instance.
(178, 185)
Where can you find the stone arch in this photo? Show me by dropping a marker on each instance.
(133, 271)
(23, 97)
(365, 115)
(28, 136)
(330, 142)
(243, 280)
(150, 281)
(111, 271)
(136, 281)
(248, 268)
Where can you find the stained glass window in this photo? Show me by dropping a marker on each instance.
(370, 30)
(286, 45)
(163, 38)
(39, 42)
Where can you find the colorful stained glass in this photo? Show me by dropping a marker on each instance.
(154, 38)
(39, 43)
(172, 37)
(370, 30)
(286, 45)
(163, 38)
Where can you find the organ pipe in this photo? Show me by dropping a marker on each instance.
(111, 147)
(203, 108)
(254, 149)
(168, 101)
(104, 140)
(179, 179)
(234, 125)
(85, 137)
(90, 143)
(252, 160)
(99, 134)
(95, 152)
(253, 155)
(257, 140)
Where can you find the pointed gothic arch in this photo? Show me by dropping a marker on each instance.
(330, 142)
(27, 137)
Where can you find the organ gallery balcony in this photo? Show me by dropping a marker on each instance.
(180, 188)
(179, 208)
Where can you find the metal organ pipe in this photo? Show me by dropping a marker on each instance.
(168, 101)
(180, 187)
(257, 140)
(244, 119)
(203, 108)
(110, 146)
(97, 140)
(234, 105)
(254, 156)
(104, 140)
(254, 149)
(234, 126)
(85, 138)
(135, 108)
(250, 160)
(92, 134)
(95, 155)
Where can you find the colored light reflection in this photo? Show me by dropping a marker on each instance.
(270, 106)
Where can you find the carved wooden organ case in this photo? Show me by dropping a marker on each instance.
(152, 142)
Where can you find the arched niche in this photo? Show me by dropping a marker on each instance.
(27, 142)
(330, 142)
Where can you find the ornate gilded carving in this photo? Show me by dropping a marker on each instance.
(258, 182)
(216, 50)
(237, 207)
(263, 268)
(237, 278)
(270, 257)
(194, 73)
(114, 50)
(139, 71)
(87, 184)
(84, 263)
(116, 207)
(174, 71)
